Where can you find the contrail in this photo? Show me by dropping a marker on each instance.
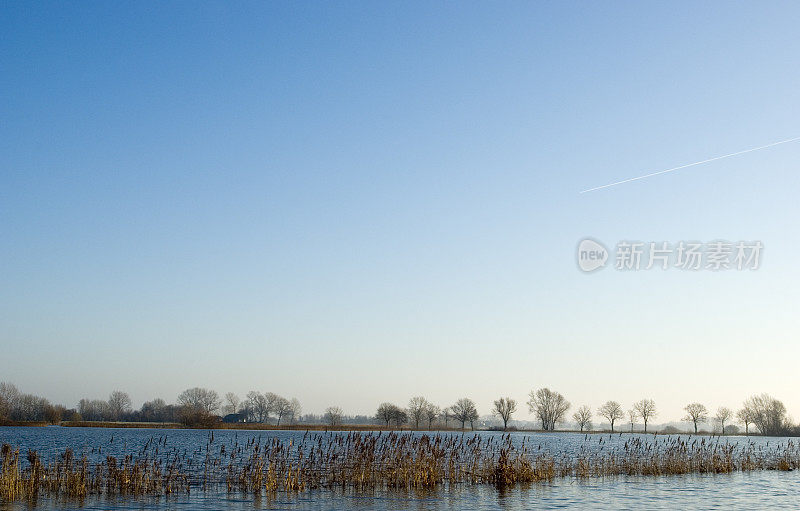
(690, 165)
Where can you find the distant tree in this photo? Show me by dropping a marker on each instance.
(118, 403)
(54, 413)
(201, 399)
(769, 414)
(696, 413)
(93, 409)
(416, 409)
(504, 408)
(745, 416)
(549, 406)
(231, 403)
(9, 394)
(473, 416)
(387, 412)
(612, 412)
(294, 409)
(26, 407)
(446, 414)
(646, 408)
(399, 416)
(154, 411)
(333, 416)
(282, 407)
(583, 417)
(431, 413)
(272, 399)
(32, 408)
(257, 407)
(632, 416)
(465, 411)
(723, 415)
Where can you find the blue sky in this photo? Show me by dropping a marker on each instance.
(353, 203)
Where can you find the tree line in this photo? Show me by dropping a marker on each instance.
(201, 406)
(767, 414)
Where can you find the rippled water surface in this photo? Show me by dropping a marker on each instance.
(753, 490)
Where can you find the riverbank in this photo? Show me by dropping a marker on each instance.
(248, 426)
(252, 426)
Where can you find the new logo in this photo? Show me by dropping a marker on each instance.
(591, 255)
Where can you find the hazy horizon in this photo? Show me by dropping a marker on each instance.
(361, 203)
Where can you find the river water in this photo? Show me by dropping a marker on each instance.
(752, 490)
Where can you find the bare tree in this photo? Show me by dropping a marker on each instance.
(281, 407)
(504, 408)
(632, 416)
(465, 411)
(17, 406)
(200, 399)
(272, 399)
(27, 407)
(257, 406)
(473, 416)
(695, 413)
(446, 414)
(388, 412)
(384, 413)
(333, 416)
(583, 417)
(399, 416)
(118, 403)
(9, 394)
(154, 411)
(295, 409)
(745, 416)
(612, 412)
(431, 413)
(646, 408)
(769, 414)
(416, 409)
(231, 403)
(723, 414)
(93, 409)
(549, 406)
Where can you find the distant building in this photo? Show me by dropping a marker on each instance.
(234, 417)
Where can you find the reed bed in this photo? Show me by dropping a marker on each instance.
(368, 461)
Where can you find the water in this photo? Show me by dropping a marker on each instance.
(751, 490)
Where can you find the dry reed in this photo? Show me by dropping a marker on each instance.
(368, 461)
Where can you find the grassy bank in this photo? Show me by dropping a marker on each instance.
(252, 426)
(25, 423)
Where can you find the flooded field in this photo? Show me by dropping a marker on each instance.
(200, 469)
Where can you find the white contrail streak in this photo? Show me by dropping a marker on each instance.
(689, 165)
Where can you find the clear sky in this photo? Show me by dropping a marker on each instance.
(359, 202)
